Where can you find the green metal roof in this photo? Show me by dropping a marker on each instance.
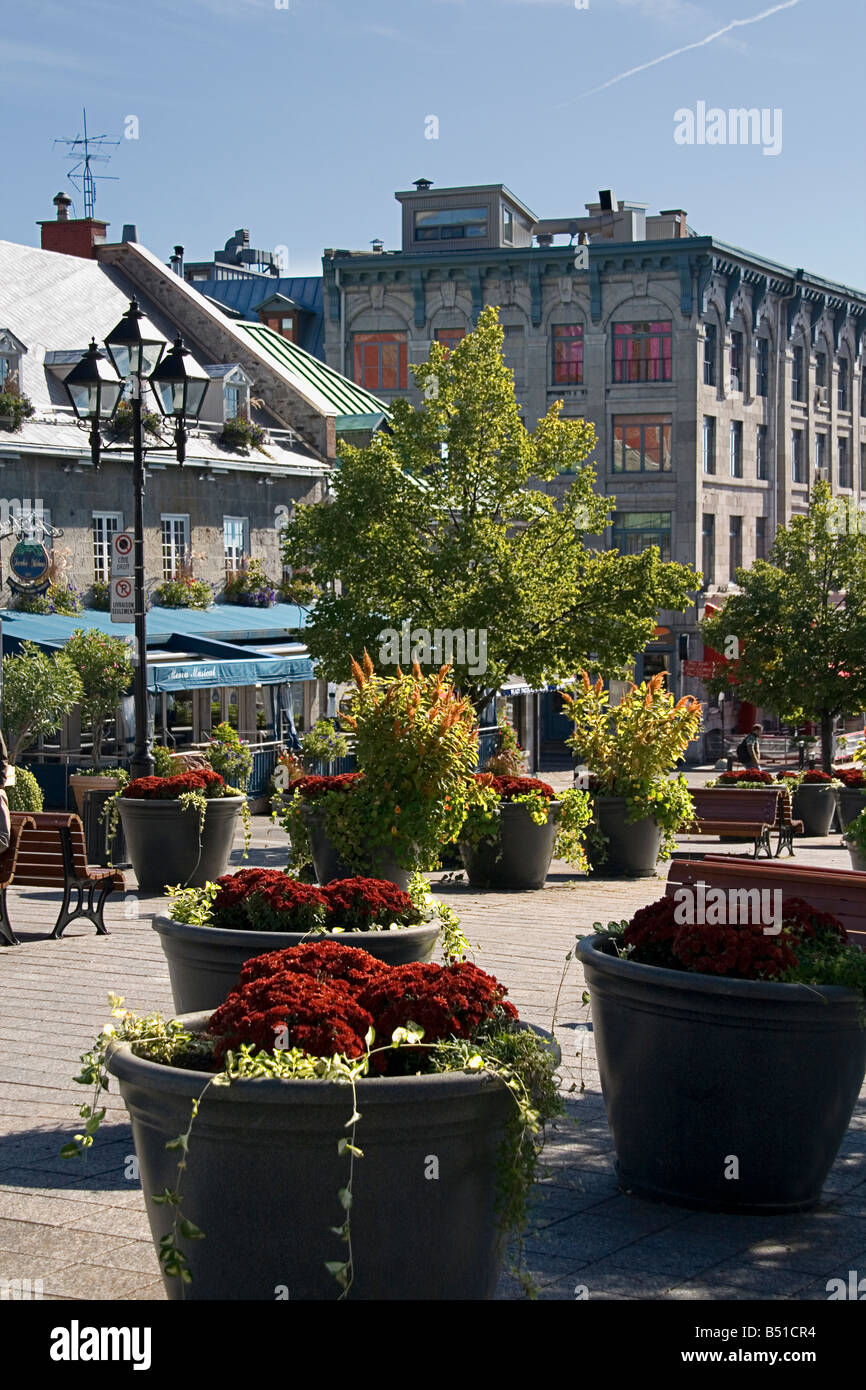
(351, 402)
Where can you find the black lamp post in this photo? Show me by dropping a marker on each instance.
(136, 352)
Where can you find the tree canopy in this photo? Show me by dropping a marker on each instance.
(800, 621)
(446, 525)
(38, 690)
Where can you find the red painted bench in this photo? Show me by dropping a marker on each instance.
(840, 891)
(50, 853)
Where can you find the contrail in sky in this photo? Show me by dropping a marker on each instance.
(734, 24)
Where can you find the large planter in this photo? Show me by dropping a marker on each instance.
(97, 847)
(80, 785)
(815, 806)
(263, 1175)
(851, 802)
(165, 846)
(633, 846)
(730, 1095)
(858, 860)
(204, 963)
(329, 865)
(520, 855)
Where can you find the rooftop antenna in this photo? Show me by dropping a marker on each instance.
(81, 175)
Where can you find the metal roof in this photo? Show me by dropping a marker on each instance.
(348, 399)
(244, 294)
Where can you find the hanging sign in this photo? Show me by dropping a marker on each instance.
(122, 545)
(29, 565)
(122, 595)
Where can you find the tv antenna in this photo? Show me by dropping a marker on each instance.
(81, 176)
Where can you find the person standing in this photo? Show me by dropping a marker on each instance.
(749, 749)
(5, 821)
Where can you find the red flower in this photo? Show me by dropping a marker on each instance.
(169, 788)
(507, 788)
(320, 1018)
(311, 788)
(851, 777)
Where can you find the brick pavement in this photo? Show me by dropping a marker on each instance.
(83, 1231)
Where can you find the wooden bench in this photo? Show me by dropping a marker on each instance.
(8, 860)
(748, 814)
(50, 853)
(840, 891)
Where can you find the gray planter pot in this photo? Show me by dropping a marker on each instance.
(815, 806)
(165, 846)
(858, 861)
(851, 803)
(633, 846)
(204, 963)
(330, 866)
(264, 1173)
(698, 1070)
(519, 857)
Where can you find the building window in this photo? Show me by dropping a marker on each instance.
(736, 448)
(507, 226)
(820, 369)
(762, 457)
(709, 444)
(842, 392)
(735, 547)
(821, 456)
(760, 538)
(634, 532)
(234, 542)
(762, 366)
(642, 351)
(843, 457)
(450, 337)
(105, 526)
(451, 224)
(798, 457)
(380, 361)
(642, 444)
(798, 380)
(710, 351)
(236, 401)
(284, 324)
(175, 545)
(567, 354)
(736, 361)
(708, 549)
(10, 379)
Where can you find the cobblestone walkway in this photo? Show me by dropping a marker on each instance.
(83, 1231)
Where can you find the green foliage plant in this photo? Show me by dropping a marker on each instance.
(324, 743)
(14, 406)
(38, 691)
(633, 747)
(105, 667)
(509, 760)
(855, 834)
(230, 756)
(449, 521)
(573, 817)
(184, 592)
(800, 621)
(26, 793)
(164, 765)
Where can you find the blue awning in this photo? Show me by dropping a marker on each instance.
(192, 675)
(224, 622)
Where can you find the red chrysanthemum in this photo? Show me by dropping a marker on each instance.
(357, 904)
(267, 900)
(319, 1018)
(311, 788)
(321, 960)
(507, 788)
(169, 788)
(446, 1001)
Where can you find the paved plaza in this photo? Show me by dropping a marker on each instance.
(80, 1227)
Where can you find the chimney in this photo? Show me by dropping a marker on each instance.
(544, 238)
(422, 184)
(176, 262)
(130, 232)
(378, 246)
(680, 221)
(72, 236)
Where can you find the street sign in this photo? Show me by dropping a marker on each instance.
(702, 670)
(122, 600)
(122, 546)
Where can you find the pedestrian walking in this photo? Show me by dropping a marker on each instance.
(749, 749)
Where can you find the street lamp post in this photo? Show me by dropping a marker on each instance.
(136, 352)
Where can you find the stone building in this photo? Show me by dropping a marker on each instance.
(720, 383)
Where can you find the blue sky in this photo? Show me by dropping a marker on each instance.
(299, 122)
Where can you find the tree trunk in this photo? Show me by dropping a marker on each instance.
(97, 742)
(826, 741)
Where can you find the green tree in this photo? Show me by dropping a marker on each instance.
(38, 690)
(105, 668)
(797, 632)
(447, 523)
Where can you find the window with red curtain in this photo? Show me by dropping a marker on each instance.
(567, 354)
(642, 351)
(380, 361)
(450, 337)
